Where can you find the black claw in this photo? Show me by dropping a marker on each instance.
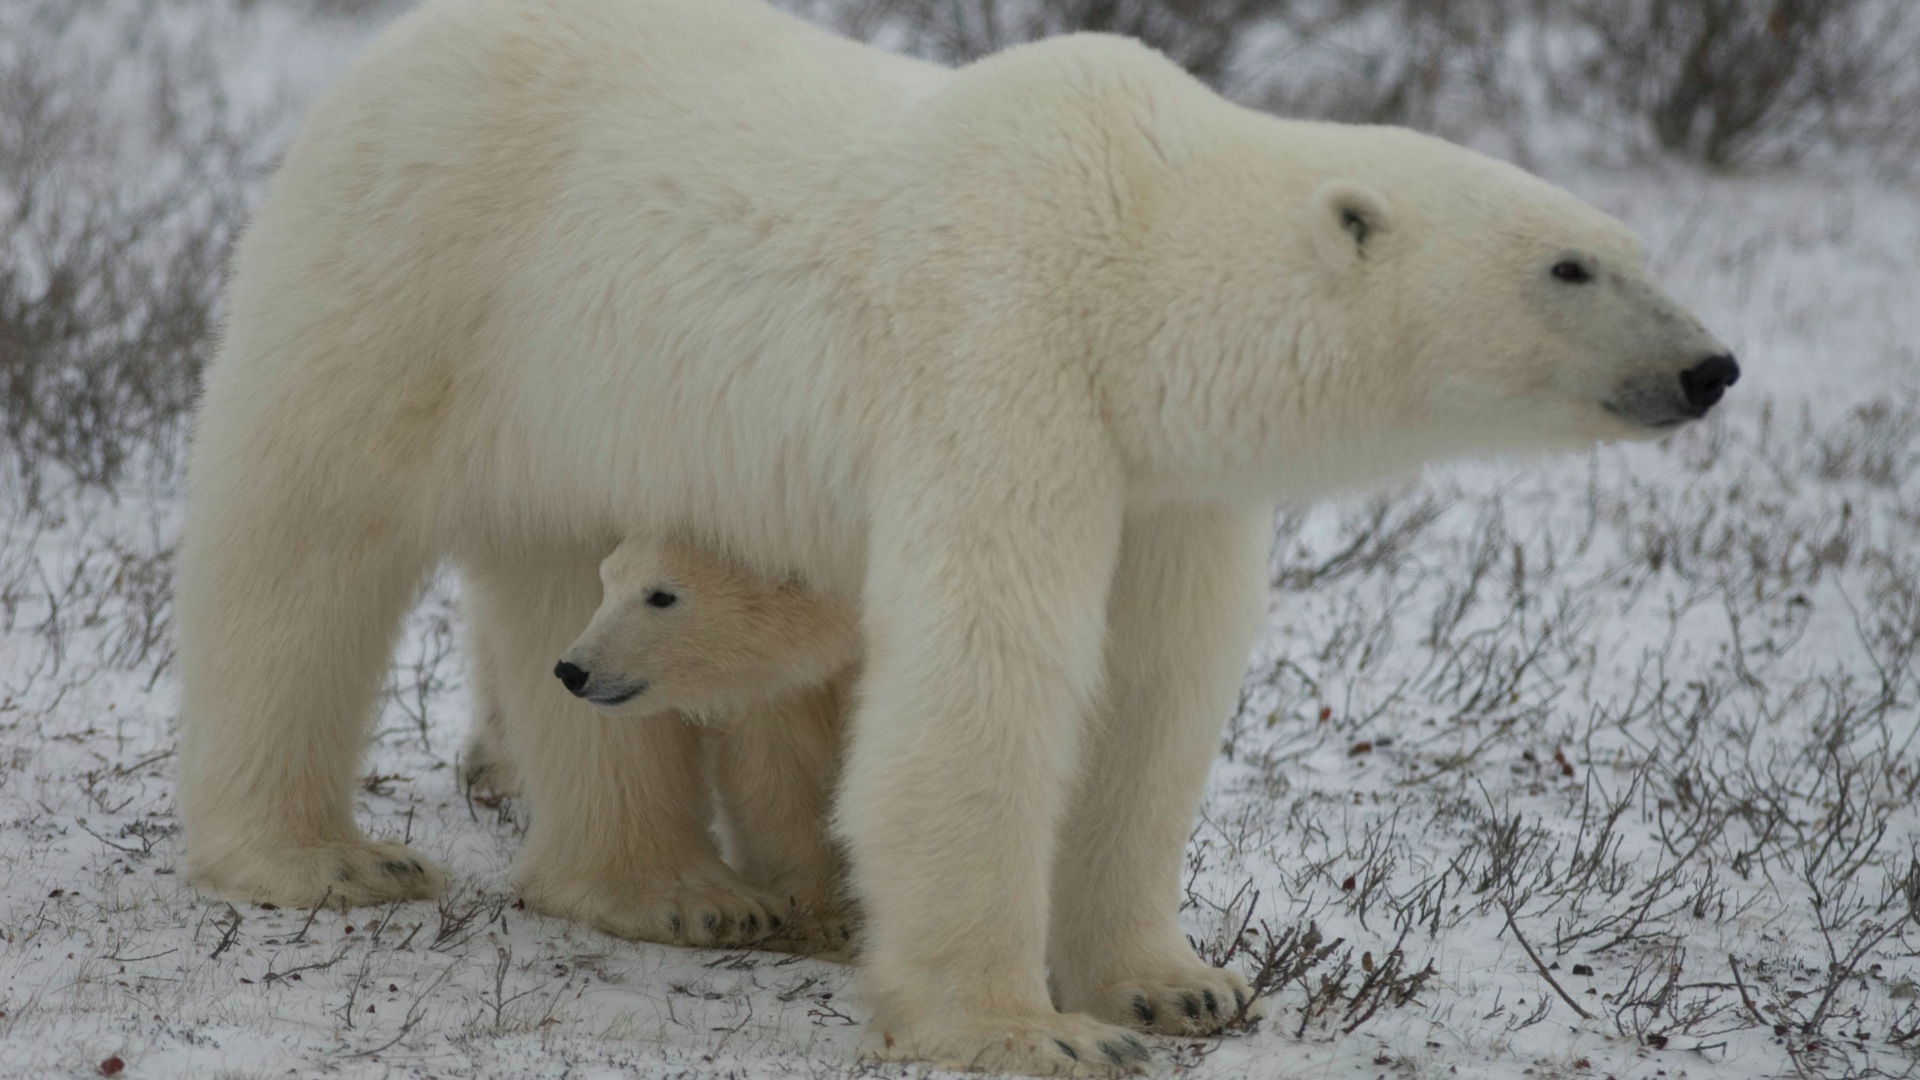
(1213, 1003)
(343, 874)
(1112, 1050)
(396, 867)
(674, 922)
(1140, 1051)
(1191, 1006)
(753, 924)
(776, 922)
(1239, 1003)
(417, 868)
(711, 922)
(1067, 1050)
(1143, 1009)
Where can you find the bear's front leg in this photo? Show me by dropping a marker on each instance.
(1187, 599)
(984, 619)
(619, 833)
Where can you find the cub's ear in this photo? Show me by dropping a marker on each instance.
(1348, 221)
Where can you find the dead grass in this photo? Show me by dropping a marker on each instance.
(1629, 730)
(124, 174)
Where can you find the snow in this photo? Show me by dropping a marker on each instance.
(1530, 699)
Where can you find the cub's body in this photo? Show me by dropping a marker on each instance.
(683, 635)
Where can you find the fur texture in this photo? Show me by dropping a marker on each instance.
(1018, 357)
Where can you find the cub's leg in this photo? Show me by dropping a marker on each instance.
(619, 833)
(1187, 599)
(485, 764)
(290, 592)
(775, 767)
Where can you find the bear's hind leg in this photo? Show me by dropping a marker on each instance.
(286, 619)
(619, 835)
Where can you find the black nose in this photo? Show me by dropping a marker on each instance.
(1706, 381)
(571, 677)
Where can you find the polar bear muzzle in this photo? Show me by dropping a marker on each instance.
(602, 691)
(1663, 402)
(1706, 381)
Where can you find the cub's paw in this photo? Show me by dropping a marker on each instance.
(702, 907)
(1196, 1001)
(822, 931)
(338, 875)
(1049, 1044)
(484, 768)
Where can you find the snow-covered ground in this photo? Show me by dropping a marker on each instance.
(1598, 766)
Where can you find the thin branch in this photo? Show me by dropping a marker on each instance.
(1544, 973)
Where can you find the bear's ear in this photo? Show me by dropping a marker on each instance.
(1347, 222)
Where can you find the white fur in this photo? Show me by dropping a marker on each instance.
(1018, 355)
(766, 666)
(719, 638)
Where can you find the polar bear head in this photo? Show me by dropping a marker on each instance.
(682, 629)
(1317, 305)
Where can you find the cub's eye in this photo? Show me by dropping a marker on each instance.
(661, 599)
(1571, 272)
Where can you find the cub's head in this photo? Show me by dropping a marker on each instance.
(1337, 302)
(686, 630)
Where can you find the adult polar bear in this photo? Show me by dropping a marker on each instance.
(1018, 356)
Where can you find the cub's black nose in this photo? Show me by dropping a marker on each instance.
(571, 677)
(1706, 381)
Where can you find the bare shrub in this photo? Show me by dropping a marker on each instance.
(1435, 65)
(114, 223)
(1425, 63)
(342, 9)
(1199, 35)
(1740, 82)
(1727, 82)
(1341, 995)
(1880, 447)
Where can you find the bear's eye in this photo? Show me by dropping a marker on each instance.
(1571, 272)
(660, 598)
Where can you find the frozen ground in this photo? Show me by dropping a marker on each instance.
(1597, 766)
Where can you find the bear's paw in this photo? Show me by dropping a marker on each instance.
(1048, 1044)
(823, 931)
(1197, 1000)
(700, 906)
(338, 875)
(484, 769)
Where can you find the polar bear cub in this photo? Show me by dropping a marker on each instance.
(682, 629)
(765, 666)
